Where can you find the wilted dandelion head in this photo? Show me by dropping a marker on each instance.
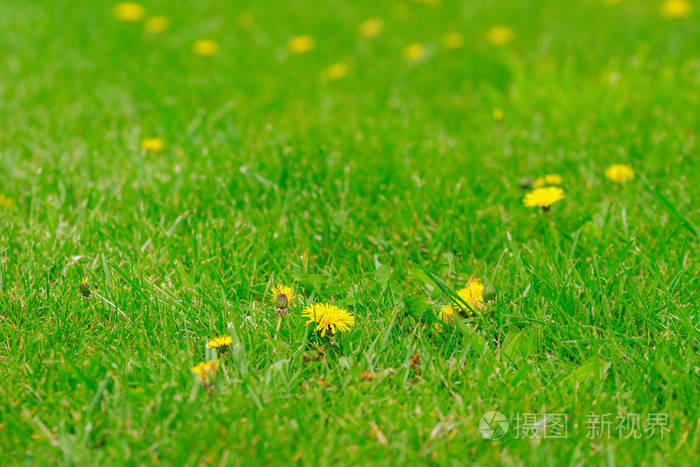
(6, 203)
(282, 290)
(371, 27)
(500, 35)
(156, 24)
(453, 40)
(414, 52)
(335, 71)
(328, 318)
(205, 47)
(301, 44)
(543, 197)
(675, 8)
(129, 11)
(619, 173)
(206, 371)
(152, 144)
(220, 342)
(550, 179)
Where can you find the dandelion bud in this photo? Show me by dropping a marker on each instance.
(525, 183)
(84, 287)
(489, 293)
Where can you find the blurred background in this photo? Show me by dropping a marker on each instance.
(384, 91)
(598, 61)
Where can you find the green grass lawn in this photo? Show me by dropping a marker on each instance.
(379, 170)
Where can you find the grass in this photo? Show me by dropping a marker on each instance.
(382, 192)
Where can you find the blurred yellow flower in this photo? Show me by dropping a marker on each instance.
(453, 40)
(301, 44)
(500, 35)
(414, 52)
(205, 47)
(371, 27)
(497, 114)
(156, 24)
(220, 342)
(129, 11)
(619, 173)
(152, 144)
(446, 315)
(335, 71)
(675, 8)
(206, 371)
(6, 203)
(328, 318)
(543, 197)
(550, 179)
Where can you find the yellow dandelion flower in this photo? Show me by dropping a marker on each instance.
(129, 11)
(335, 71)
(453, 40)
(497, 114)
(281, 289)
(619, 173)
(500, 35)
(205, 47)
(414, 52)
(301, 44)
(156, 24)
(206, 371)
(328, 318)
(6, 203)
(152, 144)
(675, 8)
(472, 293)
(550, 179)
(371, 27)
(219, 342)
(543, 197)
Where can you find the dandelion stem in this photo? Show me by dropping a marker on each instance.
(279, 323)
(112, 304)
